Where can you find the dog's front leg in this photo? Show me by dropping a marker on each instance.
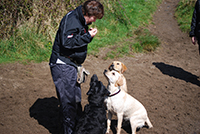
(119, 122)
(109, 121)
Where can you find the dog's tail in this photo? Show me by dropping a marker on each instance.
(149, 123)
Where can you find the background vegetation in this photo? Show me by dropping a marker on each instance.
(184, 13)
(28, 27)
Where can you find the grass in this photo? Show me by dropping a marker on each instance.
(147, 41)
(184, 12)
(117, 26)
(25, 44)
(121, 22)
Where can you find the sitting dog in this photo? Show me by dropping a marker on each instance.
(93, 120)
(124, 105)
(120, 68)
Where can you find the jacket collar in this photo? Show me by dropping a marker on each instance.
(80, 16)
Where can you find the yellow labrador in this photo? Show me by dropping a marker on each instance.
(124, 105)
(120, 68)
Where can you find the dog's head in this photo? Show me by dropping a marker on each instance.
(114, 77)
(117, 66)
(97, 91)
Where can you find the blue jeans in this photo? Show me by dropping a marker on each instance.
(69, 94)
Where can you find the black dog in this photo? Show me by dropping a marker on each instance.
(93, 120)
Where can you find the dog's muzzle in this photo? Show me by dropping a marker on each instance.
(111, 67)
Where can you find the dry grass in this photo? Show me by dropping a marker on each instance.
(44, 15)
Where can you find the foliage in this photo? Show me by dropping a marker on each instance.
(184, 13)
(121, 20)
(36, 48)
(143, 42)
(28, 27)
(148, 42)
(11, 14)
(44, 15)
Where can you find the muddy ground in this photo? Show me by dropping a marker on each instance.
(166, 82)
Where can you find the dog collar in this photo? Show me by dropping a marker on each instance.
(115, 93)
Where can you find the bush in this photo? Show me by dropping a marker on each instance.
(12, 13)
(44, 15)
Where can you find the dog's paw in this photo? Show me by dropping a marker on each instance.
(107, 131)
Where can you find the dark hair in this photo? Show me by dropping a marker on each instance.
(93, 8)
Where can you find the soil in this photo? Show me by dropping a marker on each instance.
(166, 82)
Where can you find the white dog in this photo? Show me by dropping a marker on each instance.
(124, 105)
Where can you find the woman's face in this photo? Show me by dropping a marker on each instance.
(90, 19)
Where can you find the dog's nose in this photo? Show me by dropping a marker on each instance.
(105, 71)
(111, 67)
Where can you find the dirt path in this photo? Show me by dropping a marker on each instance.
(166, 82)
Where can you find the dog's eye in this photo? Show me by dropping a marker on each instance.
(113, 73)
(117, 63)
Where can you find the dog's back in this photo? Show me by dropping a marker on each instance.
(93, 121)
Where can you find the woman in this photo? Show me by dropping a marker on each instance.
(69, 51)
(195, 25)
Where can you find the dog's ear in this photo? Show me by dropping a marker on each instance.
(124, 68)
(93, 82)
(111, 66)
(119, 82)
(91, 90)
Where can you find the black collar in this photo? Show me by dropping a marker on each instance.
(114, 93)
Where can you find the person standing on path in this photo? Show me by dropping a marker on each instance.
(195, 25)
(68, 52)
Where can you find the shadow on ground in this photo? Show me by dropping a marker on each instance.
(126, 126)
(177, 72)
(46, 112)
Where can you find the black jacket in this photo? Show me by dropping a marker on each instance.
(195, 24)
(72, 38)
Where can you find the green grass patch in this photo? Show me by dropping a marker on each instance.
(144, 42)
(137, 47)
(148, 42)
(120, 22)
(184, 12)
(25, 44)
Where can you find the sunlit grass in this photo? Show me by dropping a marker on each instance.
(25, 45)
(121, 20)
(184, 12)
